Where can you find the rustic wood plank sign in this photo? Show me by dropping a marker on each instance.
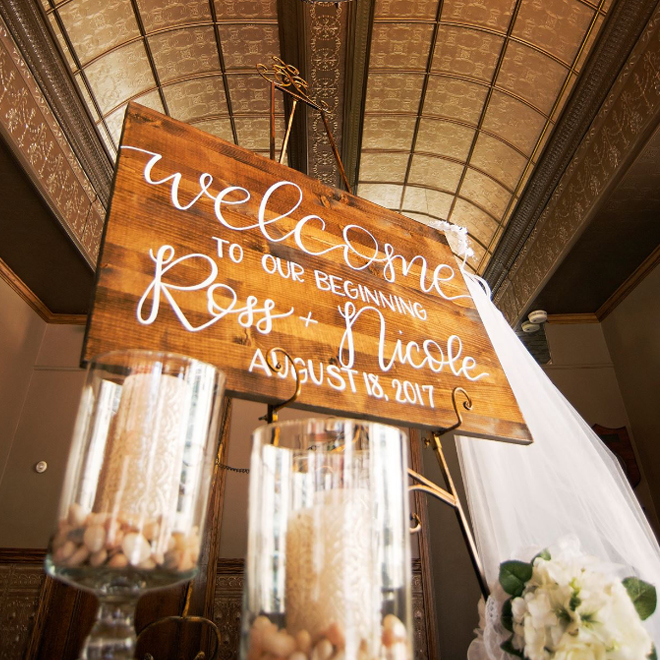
(215, 252)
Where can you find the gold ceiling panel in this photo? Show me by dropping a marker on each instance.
(119, 75)
(159, 14)
(485, 192)
(480, 225)
(493, 14)
(386, 195)
(531, 75)
(386, 131)
(250, 94)
(95, 27)
(467, 52)
(196, 99)
(385, 166)
(557, 26)
(246, 45)
(184, 52)
(403, 46)
(406, 9)
(425, 200)
(522, 133)
(394, 92)
(245, 9)
(455, 99)
(498, 159)
(220, 127)
(444, 138)
(435, 172)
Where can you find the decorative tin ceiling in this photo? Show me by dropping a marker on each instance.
(460, 95)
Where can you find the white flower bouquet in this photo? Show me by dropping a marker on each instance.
(571, 606)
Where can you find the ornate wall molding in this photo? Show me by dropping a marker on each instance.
(33, 134)
(21, 577)
(625, 22)
(628, 116)
(29, 28)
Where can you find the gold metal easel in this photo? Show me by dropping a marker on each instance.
(287, 79)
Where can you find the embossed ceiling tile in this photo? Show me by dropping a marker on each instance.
(498, 159)
(94, 27)
(82, 88)
(114, 123)
(388, 195)
(456, 99)
(435, 172)
(406, 9)
(394, 92)
(245, 46)
(227, 9)
(485, 192)
(531, 75)
(120, 75)
(195, 99)
(400, 46)
(383, 132)
(590, 42)
(479, 224)
(108, 141)
(383, 167)
(423, 200)
(466, 52)
(158, 14)
(182, 53)
(250, 94)
(219, 127)
(444, 138)
(513, 121)
(62, 42)
(151, 100)
(494, 14)
(557, 27)
(254, 133)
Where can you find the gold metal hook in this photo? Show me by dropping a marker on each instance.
(277, 367)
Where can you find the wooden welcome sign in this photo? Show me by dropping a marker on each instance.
(215, 252)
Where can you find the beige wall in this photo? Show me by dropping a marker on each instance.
(583, 369)
(40, 386)
(632, 333)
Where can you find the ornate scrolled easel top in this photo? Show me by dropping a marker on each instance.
(287, 78)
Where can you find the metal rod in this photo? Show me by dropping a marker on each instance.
(462, 519)
(336, 153)
(288, 130)
(272, 121)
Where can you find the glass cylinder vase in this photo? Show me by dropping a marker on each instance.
(135, 493)
(328, 566)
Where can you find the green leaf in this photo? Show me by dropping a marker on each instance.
(544, 554)
(514, 575)
(507, 615)
(643, 596)
(652, 655)
(509, 648)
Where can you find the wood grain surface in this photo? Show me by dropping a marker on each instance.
(215, 252)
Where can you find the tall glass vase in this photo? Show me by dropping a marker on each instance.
(328, 564)
(134, 498)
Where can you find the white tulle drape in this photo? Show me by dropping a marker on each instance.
(566, 482)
